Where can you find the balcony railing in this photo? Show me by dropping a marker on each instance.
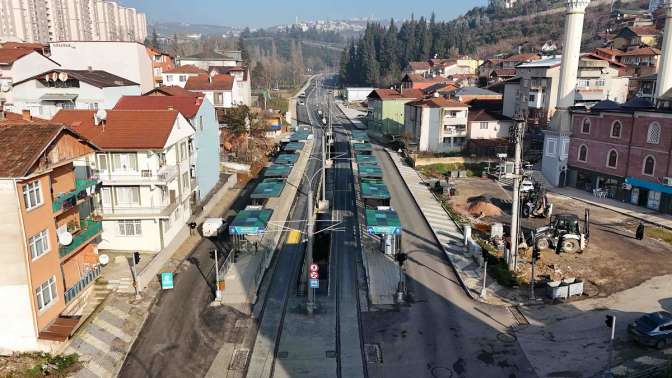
(83, 189)
(90, 229)
(146, 176)
(158, 210)
(83, 282)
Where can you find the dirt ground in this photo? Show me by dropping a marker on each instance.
(613, 261)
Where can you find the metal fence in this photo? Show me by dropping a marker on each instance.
(89, 277)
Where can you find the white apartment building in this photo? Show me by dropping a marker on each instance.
(17, 65)
(67, 20)
(241, 92)
(145, 168)
(179, 75)
(48, 92)
(124, 59)
(217, 88)
(436, 124)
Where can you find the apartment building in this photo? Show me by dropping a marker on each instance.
(201, 114)
(436, 125)
(144, 162)
(217, 58)
(17, 64)
(67, 20)
(534, 95)
(218, 89)
(386, 109)
(45, 94)
(161, 62)
(124, 59)
(178, 76)
(242, 85)
(49, 232)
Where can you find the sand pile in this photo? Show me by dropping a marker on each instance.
(483, 207)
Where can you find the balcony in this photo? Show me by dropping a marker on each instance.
(121, 212)
(89, 277)
(90, 229)
(163, 176)
(66, 201)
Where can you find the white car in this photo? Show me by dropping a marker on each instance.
(526, 185)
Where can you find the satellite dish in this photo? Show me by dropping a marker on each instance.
(101, 114)
(104, 259)
(5, 86)
(63, 76)
(65, 238)
(54, 76)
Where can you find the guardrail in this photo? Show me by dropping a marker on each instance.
(83, 282)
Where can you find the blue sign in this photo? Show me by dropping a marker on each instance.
(314, 284)
(167, 280)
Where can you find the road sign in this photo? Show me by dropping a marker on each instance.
(294, 237)
(314, 284)
(314, 268)
(167, 280)
(314, 275)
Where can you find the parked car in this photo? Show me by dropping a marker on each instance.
(653, 329)
(526, 185)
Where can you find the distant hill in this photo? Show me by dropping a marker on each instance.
(169, 29)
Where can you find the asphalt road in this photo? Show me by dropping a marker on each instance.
(441, 332)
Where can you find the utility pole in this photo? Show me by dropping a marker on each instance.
(535, 255)
(324, 165)
(518, 131)
(218, 293)
(310, 303)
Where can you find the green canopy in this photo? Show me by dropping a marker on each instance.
(250, 222)
(293, 147)
(278, 170)
(362, 147)
(269, 188)
(369, 170)
(286, 159)
(365, 159)
(382, 222)
(374, 189)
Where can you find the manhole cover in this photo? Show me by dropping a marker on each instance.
(283, 355)
(373, 355)
(330, 354)
(239, 359)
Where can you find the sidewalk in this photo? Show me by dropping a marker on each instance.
(106, 337)
(624, 208)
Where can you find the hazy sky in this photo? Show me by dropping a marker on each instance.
(261, 13)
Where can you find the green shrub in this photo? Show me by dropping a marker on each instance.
(503, 275)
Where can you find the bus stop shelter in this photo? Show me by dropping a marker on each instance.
(359, 136)
(278, 170)
(384, 222)
(293, 147)
(365, 159)
(369, 171)
(362, 148)
(248, 226)
(374, 192)
(286, 159)
(268, 188)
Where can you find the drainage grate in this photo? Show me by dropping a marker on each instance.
(283, 355)
(330, 353)
(239, 359)
(518, 316)
(373, 355)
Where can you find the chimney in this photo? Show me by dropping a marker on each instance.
(25, 115)
(664, 79)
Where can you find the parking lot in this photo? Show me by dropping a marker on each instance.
(613, 260)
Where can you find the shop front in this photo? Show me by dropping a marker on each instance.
(652, 195)
(598, 183)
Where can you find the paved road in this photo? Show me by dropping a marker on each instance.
(442, 332)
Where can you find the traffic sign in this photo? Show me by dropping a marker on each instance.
(314, 268)
(314, 275)
(167, 280)
(314, 284)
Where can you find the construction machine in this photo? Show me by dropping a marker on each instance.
(534, 203)
(564, 233)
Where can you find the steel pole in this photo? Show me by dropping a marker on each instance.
(515, 208)
(324, 166)
(218, 294)
(532, 299)
(485, 277)
(135, 279)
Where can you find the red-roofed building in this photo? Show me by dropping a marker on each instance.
(642, 61)
(217, 88)
(413, 81)
(17, 64)
(630, 38)
(418, 68)
(145, 165)
(173, 90)
(386, 109)
(436, 125)
(161, 62)
(180, 75)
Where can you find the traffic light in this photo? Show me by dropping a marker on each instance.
(609, 321)
(136, 257)
(401, 258)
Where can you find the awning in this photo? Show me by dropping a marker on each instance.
(58, 97)
(648, 185)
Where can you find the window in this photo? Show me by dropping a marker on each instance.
(200, 122)
(483, 125)
(600, 82)
(446, 139)
(169, 78)
(550, 147)
(612, 159)
(585, 126)
(182, 78)
(185, 181)
(93, 106)
(130, 228)
(532, 97)
(127, 195)
(653, 135)
(39, 244)
(583, 153)
(582, 83)
(182, 150)
(653, 201)
(125, 162)
(177, 213)
(46, 293)
(649, 165)
(32, 195)
(65, 104)
(102, 162)
(219, 98)
(616, 129)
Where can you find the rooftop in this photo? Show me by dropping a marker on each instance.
(186, 69)
(293, 146)
(123, 129)
(642, 51)
(362, 147)
(286, 159)
(419, 65)
(269, 188)
(278, 170)
(382, 222)
(365, 159)
(475, 91)
(393, 94)
(10, 55)
(543, 63)
(173, 90)
(250, 222)
(96, 78)
(369, 170)
(210, 83)
(374, 189)
(438, 102)
(188, 106)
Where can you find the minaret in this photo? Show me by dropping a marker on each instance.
(664, 80)
(556, 140)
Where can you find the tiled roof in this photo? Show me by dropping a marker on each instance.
(644, 30)
(228, 70)
(610, 51)
(23, 145)
(210, 83)
(475, 91)
(123, 129)
(10, 55)
(21, 45)
(174, 90)
(438, 102)
(393, 94)
(522, 58)
(477, 115)
(16, 118)
(642, 51)
(419, 78)
(97, 78)
(421, 65)
(505, 72)
(186, 69)
(188, 106)
(440, 87)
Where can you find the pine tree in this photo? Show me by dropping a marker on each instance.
(389, 63)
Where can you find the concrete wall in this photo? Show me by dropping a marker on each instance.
(419, 162)
(496, 129)
(207, 148)
(510, 99)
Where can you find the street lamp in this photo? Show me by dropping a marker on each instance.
(310, 303)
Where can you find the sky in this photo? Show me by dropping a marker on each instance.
(263, 13)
